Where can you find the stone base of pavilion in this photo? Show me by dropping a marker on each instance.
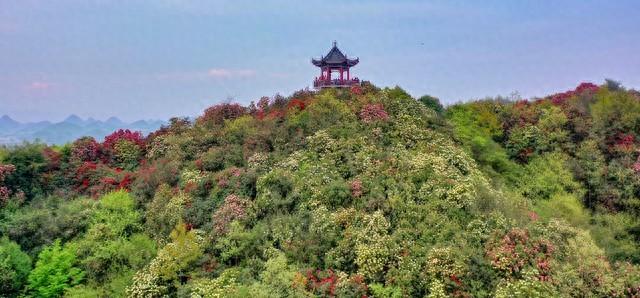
(337, 83)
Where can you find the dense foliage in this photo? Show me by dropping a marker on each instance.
(362, 192)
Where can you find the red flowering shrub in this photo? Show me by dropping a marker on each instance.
(263, 103)
(321, 282)
(560, 98)
(356, 90)
(52, 177)
(517, 250)
(134, 137)
(85, 149)
(4, 194)
(356, 188)
(149, 177)
(296, 104)
(52, 158)
(95, 179)
(84, 175)
(636, 166)
(5, 170)
(590, 87)
(326, 283)
(233, 208)
(373, 112)
(625, 143)
(522, 113)
(217, 114)
(275, 114)
(117, 180)
(236, 181)
(176, 125)
(124, 148)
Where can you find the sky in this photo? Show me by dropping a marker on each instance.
(157, 59)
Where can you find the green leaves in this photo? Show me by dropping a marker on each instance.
(171, 263)
(14, 267)
(54, 272)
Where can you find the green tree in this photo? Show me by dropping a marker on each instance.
(432, 103)
(164, 212)
(164, 272)
(14, 267)
(127, 154)
(546, 176)
(54, 272)
(614, 113)
(30, 165)
(43, 221)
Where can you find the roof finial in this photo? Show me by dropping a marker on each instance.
(335, 44)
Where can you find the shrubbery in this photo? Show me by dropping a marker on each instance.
(342, 192)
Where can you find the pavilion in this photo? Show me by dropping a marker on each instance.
(335, 62)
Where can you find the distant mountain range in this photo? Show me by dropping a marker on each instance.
(71, 128)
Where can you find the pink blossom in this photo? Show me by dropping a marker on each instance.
(560, 98)
(233, 208)
(123, 134)
(636, 166)
(373, 112)
(356, 188)
(217, 114)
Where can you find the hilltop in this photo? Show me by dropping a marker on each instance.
(353, 192)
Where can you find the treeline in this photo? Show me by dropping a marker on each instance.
(567, 150)
(351, 193)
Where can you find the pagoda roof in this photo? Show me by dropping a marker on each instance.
(335, 57)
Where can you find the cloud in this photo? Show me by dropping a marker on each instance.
(39, 85)
(223, 73)
(211, 74)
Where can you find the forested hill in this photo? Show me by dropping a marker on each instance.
(361, 192)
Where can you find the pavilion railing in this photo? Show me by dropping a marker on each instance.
(320, 83)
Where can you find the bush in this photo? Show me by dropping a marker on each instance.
(54, 272)
(546, 176)
(150, 176)
(29, 166)
(432, 103)
(5, 192)
(216, 115)
(43, 221)
(124, 148)
(14, 267)
(218, 158)
(372, 113)
(158, 277)
(85, 149)
(164, 212)
(233, 208)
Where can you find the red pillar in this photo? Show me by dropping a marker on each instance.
(329, 73)
(341, 73)
(348, 77)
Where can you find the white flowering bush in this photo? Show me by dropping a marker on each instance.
(527, 287)
(222, 286)
(373, 249)
(191, 176)
(164, 270)
(444, 263)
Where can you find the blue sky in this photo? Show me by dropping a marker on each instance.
(156, 59)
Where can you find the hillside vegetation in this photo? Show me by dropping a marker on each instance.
(365, 192)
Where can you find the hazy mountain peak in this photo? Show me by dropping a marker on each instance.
(6, 118)
(114, 121)
(7, 122)
(74, 119)
(69, 129)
